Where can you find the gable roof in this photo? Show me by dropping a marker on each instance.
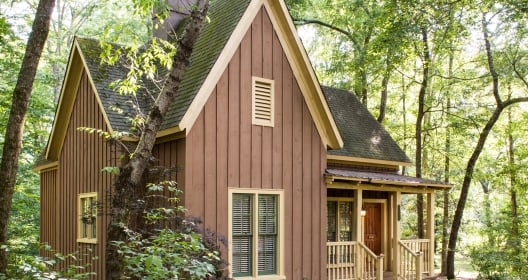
(364, 137)
(218, 40)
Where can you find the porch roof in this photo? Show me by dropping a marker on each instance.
(377, 178)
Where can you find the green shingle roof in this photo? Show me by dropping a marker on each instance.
(363, 136)
(223, 17)
(103, 75)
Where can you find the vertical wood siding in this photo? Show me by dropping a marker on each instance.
(227, 151)
(82, 157)
(48, 217)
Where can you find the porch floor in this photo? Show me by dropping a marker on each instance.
(387, 275)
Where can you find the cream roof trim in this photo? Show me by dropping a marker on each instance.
(345, 159)
(297, 57)
(305, 74)
(76, 66)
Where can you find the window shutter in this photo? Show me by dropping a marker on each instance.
(242, 234)
(263, 109)
(267, 257)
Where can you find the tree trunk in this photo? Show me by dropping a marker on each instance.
(418, 133)
(131, 180)
(447, 169)
(17, 116)
(383, 100)
(514, 238)
(457, 218)
(404, 114)
(487, 212)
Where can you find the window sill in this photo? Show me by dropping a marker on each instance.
(263, 277)
(87, 240)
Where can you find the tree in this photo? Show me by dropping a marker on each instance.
(365, 46)
(15, 125)
(470, 168)
(130, 183)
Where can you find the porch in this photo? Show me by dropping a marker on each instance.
(364, 232)
(353, 260)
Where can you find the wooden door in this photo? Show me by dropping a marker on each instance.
(372, 229)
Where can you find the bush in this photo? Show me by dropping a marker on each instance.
(168, 246)
(59, 266)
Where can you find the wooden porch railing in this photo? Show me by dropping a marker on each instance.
(352, 260)
(411, 263)
(372, 267)
(340, 260)
(421, 245)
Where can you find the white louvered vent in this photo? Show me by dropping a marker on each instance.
(263, 101)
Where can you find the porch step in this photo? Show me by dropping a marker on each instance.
(387, 275)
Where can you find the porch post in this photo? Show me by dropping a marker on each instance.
(358, 206)
(396, 201)
(358, 232)
(431, 230)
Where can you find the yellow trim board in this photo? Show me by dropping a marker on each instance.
(46, 167)
(386, 163)
(68, 96)
(340, 182)
(64, 109)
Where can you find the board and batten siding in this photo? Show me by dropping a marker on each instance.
(224, 150)
(82, 157)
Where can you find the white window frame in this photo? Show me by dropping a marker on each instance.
(262, 86)
(280, 254)
(90, 238)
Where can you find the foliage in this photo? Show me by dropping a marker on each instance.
(500, 261)
(170, 247)
(58, 266)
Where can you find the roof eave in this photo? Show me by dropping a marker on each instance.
(76, 66)
(356, 160)
(46, 166)
(65, 105)
(330, 178)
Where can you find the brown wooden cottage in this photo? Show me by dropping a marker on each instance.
(309, 160)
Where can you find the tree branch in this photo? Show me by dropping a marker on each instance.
(514, 101)
(519, 75)
(300, 22)
(491, 64)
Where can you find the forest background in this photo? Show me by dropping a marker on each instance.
(446, 78)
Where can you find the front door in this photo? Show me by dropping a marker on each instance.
(372, 229)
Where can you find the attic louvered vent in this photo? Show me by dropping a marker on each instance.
(263, 110)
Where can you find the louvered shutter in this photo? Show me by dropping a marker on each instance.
(263, 109)
(242, 234)
(268, 232)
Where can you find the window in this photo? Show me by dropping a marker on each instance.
(256, 234)
(339, 220)
(87, 218)
(263, 109)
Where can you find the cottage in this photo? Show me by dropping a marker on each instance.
(310, 160)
